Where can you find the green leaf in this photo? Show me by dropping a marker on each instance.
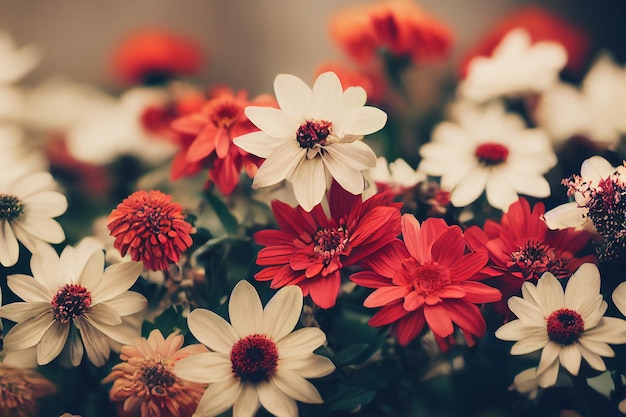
(229, 222)
(350, 353)
(171, 320)
(350, 399)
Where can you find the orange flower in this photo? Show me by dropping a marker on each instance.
(19, 391)
(145, 384)
(373, 84)
(399, 26)
(153, 55)
(152, 228)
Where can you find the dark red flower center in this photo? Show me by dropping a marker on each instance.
(254, 358)
(226, 113)
(429, 277)
(565, 326)
(10, 207)
(70, 301)
(490, 153)
(157, 377)
(533, 258)
(330, 243)
(312, 133)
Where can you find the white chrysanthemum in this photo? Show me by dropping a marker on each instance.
(596, 110)
(27, 208)
(567, 326)
(257, 360)
(488, 150)
(18, 157)
(316, 134)
(114, 130)
(16, 62)
(73, 305)
(516, 67)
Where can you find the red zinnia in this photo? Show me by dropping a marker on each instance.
(431, 279)
(523, 248)
(311, 249)
(152, 228)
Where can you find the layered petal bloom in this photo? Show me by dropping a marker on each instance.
(431, 280)
(488, 150)
(310, 250)
(516, 67)
(20, 389)
(399, 28)
(152, 228)
(315, 135)
(567, 326)
(599, 205)
(73, 305)
(145, 384)
(257, 359)
(213, 128)
(28, 206)
(522, 247)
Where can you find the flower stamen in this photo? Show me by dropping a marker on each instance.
(254, 358)
(565, 326)
(312, 133)
(490, 153)
(69, 302)
(10, 207)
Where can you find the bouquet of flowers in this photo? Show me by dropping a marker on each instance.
(345, 246)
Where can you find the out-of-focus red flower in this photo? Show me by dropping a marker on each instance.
(152, 228)
(522, 248)
(209, 133)
(399, 26)
(152, 55)
(431, 280)
(311, 249)
(542, 25)
(373, 84)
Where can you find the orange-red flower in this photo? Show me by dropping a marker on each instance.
(155, 55)
(19, 391)
(431, 279)
(145, 383)
(210, 132)
(152, 228)
(398, 26)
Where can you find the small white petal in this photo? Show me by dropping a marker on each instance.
(609, 330)
(92, 271)
(595, 169)
(46, 204)
(355, 154)
(549, 375)
(19, 312)
(326, 97)
(360, 121)
(564, 216)
(52, 342)
(127, 303)
(279, 164)
(28, 333)
(275, 401)
(527, 312)
(31, 184)
(95, 342)
(570, 358)
(282, 312)
(349, 178)
(293, 95)
(219, 397)
(469, 189)
(245, 309)
(530, 344)
(28, 289)
(583, 288)
(116, 279)
(212, 330)
(204, 368)
(9, 248)
(258, 143)
(274, 122)
(619, 297)
(296, 387)
(308, 366)
(550, 294)
(309, 182)
(43, 228)
(500, 192)
(103, 313)
(549, 354)
(248, 402)
(300, 342)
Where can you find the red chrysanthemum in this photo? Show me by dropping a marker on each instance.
(430, 279)
(399, 26)
(522, 248)
(311, 249)
(152, 228)
(153, 55)
(211, 131)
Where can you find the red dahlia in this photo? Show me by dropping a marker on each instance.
(149, 226)
(311, 249)
(430, 279)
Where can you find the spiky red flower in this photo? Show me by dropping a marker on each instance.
(152, 228)
(430, 279)
(311, 249)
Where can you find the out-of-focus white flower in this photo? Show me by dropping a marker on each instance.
(488, 150)
(17, 156)
(526, 383)
(397, 175)
(16, 62)
(597, 110)
(315, 135)
(114, 130)
(516, 67)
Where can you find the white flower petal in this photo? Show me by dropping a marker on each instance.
(28, 333)
(52, 342)
(517, 330)
(279, 164)
(28, 289)
(116, 279)
(353, 97)
(549, 375)
(570, 358)
(356, 154)
(74, 347)
(609, 330)
(300, 342)
(595, 169)
(469, 189)
(46, 268)
(599, 348)
(127, 303)
(282, 312)
(31, 184)
(360, 121)
(93, 270)
(43, 228)
(293, 95)
(219, 397)
(274, 122)
(296, 387)
(549, 354)
(564, 216)
(527, 312)
(46, 204)
(19, 312)
(258, 143)
(326, 96)
(530, 344)
(550, 294)
(583, 288)
(275, 401)
(212, 330)
(125, 333)
(245, 309)
(593, 359)
(103, 313)
(204, 368)
(248, 402)
(349, 178)
(500, 192)
(9, 248)
(619, 297)
(309, 182)
(308, 366)
(95, 342)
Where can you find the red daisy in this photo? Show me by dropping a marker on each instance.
(522, 248)
(311, 249)
(430, 279)
(152, 228)
(209, 133)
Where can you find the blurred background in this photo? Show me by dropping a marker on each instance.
(247, 43)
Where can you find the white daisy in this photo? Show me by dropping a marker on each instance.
(316, 134)
(397, 175)
(71, 305)
(27, 207)
(568, 326)
(516, 67)
(596, 110)
(488, 150)
(257, 360)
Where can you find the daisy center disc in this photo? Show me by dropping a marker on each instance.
(533, 258)
(490, 154)
(69, 302)
(565, 326)
(330, 242)
(10, 207)
(312, 133)
(226, 113)
(157, 378)
(429, 277)
(254, 358)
